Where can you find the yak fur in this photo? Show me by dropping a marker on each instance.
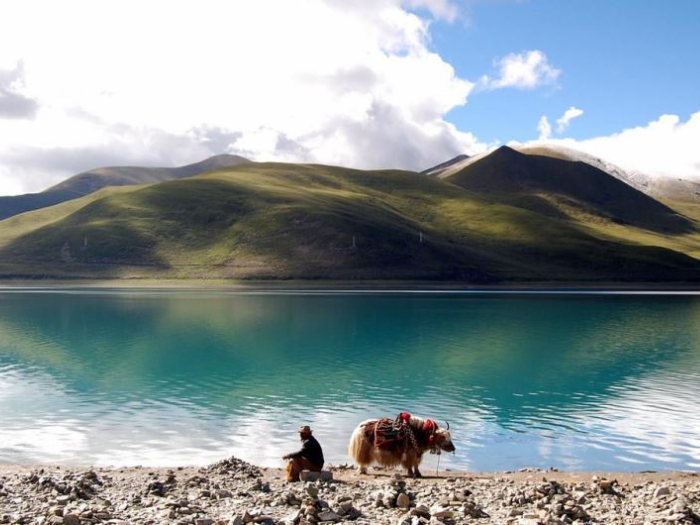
(364, 451)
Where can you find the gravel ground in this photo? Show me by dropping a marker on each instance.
(233, 492)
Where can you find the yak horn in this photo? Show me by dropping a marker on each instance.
(448, 425)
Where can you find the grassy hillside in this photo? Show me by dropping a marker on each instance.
(658, 187)
(319, 222)
(24, 223)
(94, 180)
(567, 190)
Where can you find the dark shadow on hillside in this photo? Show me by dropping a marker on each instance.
(508, 175)
(16, 204)
(91, 181)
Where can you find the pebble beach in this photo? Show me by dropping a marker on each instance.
(233, 492)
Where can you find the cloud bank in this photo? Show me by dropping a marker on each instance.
(328, 81)
(354, 84)
(667, 146)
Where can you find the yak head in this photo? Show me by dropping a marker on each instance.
(442, 439)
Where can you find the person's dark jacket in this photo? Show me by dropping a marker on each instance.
(311, 450)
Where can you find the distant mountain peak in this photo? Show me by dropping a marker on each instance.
(506, 151)
(564, 188)
(439, 168)
(93, 180)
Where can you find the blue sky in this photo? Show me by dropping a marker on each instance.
(363, 83)
(623, 62)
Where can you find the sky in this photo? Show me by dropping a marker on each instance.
(366, 84)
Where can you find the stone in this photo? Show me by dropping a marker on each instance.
(204, 521)
(327, 515)
(441, 513)
(71, 519)
(661, 491)
(403, 501)
(307, 475)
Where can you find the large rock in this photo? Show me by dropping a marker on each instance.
(307, 475)
(661, 491)
(71, 519)
(403, 501)
(328, 515)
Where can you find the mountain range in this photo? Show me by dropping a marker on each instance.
(510, 216)
(90, 181)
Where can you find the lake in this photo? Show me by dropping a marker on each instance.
(137, 377)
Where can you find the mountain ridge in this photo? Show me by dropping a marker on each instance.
(93, 180)
(300, 221)
(552, 185)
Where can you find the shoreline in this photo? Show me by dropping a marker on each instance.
(320, 286)
(232, 492)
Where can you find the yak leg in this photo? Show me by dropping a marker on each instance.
(363, 469)
(418, 459)
(411, 462)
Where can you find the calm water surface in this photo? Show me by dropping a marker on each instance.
(164, 378)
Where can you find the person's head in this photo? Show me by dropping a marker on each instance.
(305, 432)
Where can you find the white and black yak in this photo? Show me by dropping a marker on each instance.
(400, 441)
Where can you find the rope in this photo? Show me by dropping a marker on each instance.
(412, 438)
(386, 431)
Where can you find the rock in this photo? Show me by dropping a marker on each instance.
(71, 519)
(312, 491)
(327, 515)
(204, 521)
(441, 513)
(307, 475)
(661, 491)
(421, 511)
(403, 501)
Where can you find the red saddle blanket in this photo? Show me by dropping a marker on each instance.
(386, 432)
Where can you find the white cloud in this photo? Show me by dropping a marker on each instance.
(527, 70)
(666, 146)
(544, 128)
(13, 103)
(440, 9)
(570, 114)
(319, 80)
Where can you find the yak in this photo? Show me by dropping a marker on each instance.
(402, 441)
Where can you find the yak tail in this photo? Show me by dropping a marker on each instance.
(360, 449)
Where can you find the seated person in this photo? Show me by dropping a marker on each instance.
(309, 457)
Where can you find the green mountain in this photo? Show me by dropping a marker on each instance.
(659, 187)
(93, 180)
(565, 189)
(299, 221)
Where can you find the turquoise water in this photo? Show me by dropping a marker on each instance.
(163, 378)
